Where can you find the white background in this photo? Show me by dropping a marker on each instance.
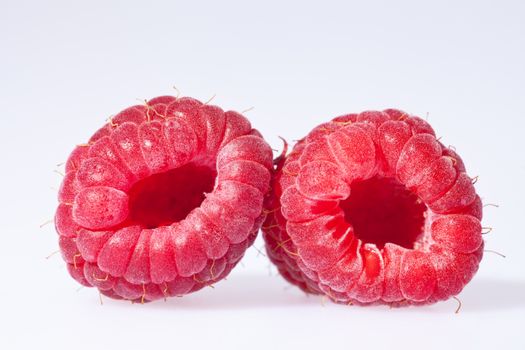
(67, 66)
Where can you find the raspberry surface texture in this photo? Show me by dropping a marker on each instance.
(372, 208)
(163, 200)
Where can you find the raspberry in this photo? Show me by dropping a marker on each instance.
(372, 208)
(163, 200)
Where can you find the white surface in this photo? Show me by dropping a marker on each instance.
(65, 67)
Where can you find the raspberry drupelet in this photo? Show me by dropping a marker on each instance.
(372, 208)
(163, 200)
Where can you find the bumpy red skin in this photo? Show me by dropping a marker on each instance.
(139, 264)
(312, 245)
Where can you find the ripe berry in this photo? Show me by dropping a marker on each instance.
(163, 200)
(372, 208)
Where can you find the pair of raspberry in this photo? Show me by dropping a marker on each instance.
(367, 208)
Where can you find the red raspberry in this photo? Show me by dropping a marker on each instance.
(372, 208)
(163, 200)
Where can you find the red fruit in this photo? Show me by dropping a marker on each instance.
(163, 200)
(372, 208)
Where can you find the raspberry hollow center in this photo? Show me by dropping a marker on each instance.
(382, 210)
(168, 197)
